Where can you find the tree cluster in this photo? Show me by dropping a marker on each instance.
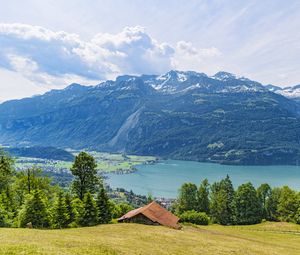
(27, 198)
(245, 205)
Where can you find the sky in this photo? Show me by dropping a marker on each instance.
(48, 44)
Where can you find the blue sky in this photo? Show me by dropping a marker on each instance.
(48, 44)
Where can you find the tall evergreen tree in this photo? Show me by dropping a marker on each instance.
(7, 198)
(84, 170)
(78, 210)
(90, 213)
(4, 217)
(187, 200)
(203, 197)
(69, 208)
(60, 213)
(247, 205)
(34, 211)
(222, 202)
(104, 207)
(6, 170)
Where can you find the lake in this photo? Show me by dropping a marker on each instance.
(165, 178)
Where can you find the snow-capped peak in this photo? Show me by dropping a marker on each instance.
(291, 92)
(223, 76)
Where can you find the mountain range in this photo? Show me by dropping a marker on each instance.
(180, 115)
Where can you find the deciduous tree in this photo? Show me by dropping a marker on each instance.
(84, 170)
(187, 200)
(203, 197)
(247, 205)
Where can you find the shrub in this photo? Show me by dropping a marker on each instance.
(120, 209)
(199, 218)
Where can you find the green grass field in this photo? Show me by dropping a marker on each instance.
(264, 239)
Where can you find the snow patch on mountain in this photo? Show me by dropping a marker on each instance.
(291, 92)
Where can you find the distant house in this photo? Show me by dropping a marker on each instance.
(151, 214)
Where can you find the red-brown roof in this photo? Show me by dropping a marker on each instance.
(155, 213)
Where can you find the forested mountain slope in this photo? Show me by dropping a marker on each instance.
(183, 115)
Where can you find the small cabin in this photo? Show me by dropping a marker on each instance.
(151, 214)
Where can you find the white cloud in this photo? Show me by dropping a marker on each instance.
(188, 57)
(55, 58)
(15, 86)
(188, 49)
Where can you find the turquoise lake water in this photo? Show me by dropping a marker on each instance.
(165, 178)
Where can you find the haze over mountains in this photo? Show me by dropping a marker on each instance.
(182, 115)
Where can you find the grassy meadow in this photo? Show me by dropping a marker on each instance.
(106, 162)
(265, 239)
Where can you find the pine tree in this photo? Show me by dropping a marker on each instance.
(4, 215)
(60, 212)
(247, 205)
(7, 196)
(221, 202)
(90, 213)
(104, 207)
(203, 197)
(78, 210)
(70, 209)
(34, 211)
(6, 170)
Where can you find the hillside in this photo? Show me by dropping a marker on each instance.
(41, 152)
(263, 239)
(179, 115)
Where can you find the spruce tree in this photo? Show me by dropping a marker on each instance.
(60, 212)
(4, 215)
(203, 197)
(6, 170)
(90, 212)
(69, 207)
(221, 202)
(78, 210)
(34, 211)
(247, 205)
(7, 196)
(104, 207)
